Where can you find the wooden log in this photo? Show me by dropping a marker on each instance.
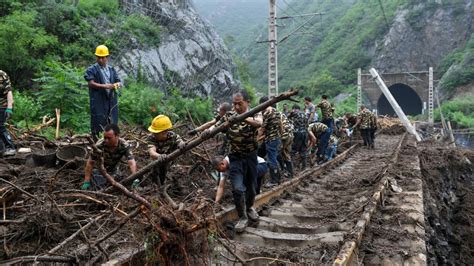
(71, 237)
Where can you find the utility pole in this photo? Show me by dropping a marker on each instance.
(409, 127)
(359, 89)
(272, 52)
(273, 43)
(430, 98)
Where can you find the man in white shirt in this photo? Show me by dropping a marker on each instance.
(221, 165)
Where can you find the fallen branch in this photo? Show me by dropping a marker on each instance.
(22, 190)
(168, 198)
(117, 228)
(45, 123)
(114, 183)
(96, 193)
(84, 197)
(43, 258)
(194, 126)
(65, 241)
(231, 251)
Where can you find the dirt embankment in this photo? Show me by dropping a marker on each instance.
(448, 182)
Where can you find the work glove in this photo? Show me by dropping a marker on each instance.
(181, 145)
(192, 132)
(8, 113)
(86, 185)
(116, 87)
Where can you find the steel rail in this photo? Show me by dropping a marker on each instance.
(347, 250)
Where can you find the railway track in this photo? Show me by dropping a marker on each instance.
(320, 216)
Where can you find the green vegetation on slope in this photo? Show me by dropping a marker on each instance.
(458, 110)
(46, 46)
(336, 45)
(239, 20)
(458, 67)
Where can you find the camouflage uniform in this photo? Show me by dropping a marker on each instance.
(300, 140)
(287, 142)
(326, 112)
(112, 158)
(111, 161)
(271, 124)
(366, 118)
(373, 127)
(273, 129)
(163, 147)
(242, 163)
(322, 134)
(5, 87)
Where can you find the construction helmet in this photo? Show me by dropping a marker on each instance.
(160, 123)
(102, 51)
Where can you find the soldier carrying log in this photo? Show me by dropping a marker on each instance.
(242, 158)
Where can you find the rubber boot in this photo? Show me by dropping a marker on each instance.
(289, 168)
(274, 178)
(239, 200)
(304, 162)
(9, 146)
(251, 212)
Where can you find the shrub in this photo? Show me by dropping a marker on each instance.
(26, 110)
(63, 87)
(141, 27)
(459, 110)
(139, 103)
(23, 45)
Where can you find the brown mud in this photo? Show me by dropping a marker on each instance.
(448, 181)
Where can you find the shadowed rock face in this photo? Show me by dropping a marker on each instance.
(190, 56)
(421, 37)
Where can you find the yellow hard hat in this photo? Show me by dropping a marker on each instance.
(102, 51)
(160, 123)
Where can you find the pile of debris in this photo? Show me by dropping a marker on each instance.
(46, 218)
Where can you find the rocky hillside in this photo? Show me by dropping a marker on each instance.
(190, 55)
(397, 35)
(239, 22)
(421, 35)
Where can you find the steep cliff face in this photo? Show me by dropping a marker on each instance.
(190, 55)
(422, 35)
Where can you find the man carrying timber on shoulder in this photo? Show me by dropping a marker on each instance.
(242, 159)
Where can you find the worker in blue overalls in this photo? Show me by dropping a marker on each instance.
(103, 82)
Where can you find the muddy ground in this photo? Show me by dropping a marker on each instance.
(35, 224)
(57, 208)
(448, 182)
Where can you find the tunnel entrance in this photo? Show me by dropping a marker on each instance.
(406, 97)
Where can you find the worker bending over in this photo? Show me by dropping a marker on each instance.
(221, 164)
(112, 148)
(161, 142)
(242, 159)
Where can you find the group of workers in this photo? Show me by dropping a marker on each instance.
(264, 143)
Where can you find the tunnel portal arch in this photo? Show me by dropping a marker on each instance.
(407, 98)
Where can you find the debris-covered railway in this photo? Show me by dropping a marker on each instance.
(365, 206)
(322, 215)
